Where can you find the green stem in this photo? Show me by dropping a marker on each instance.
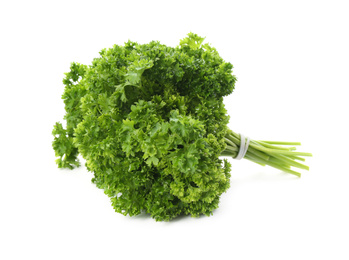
(267, 145)
(271, 153)
(282, 143)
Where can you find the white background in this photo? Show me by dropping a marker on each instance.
(291, 59)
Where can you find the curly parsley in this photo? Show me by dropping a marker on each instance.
(150, 121)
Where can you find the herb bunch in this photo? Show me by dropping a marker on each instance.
(150, 122)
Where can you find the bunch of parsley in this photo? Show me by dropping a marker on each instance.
(150, 122)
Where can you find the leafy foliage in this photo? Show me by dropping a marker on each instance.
(150, 121)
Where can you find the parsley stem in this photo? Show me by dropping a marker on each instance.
(282, 143)
(271, 153)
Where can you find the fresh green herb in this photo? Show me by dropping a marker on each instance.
(150, 122)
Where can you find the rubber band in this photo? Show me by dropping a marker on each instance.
(243, 147)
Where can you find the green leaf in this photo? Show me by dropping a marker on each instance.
(193, 41)
(120, 89)
(136, 70)
(152, 160)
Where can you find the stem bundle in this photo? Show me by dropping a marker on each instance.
(272, 153)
